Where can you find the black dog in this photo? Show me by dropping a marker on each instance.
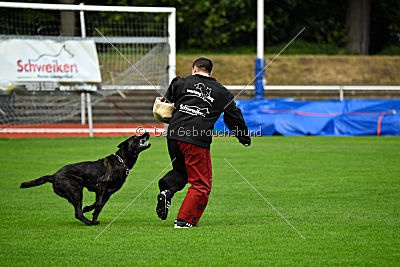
(104, 176)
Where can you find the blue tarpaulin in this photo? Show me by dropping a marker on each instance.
(325, 118)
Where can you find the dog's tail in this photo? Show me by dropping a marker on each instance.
(38, 181)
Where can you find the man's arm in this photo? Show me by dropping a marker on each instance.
(170, 95)
(233, 118)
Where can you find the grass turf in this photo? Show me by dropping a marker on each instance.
(342, 194)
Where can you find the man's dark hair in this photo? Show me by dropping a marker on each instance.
(204, 64)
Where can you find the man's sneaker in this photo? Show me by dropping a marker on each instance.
(179, 223)
(163, 202)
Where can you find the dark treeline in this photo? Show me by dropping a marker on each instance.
(362, 26)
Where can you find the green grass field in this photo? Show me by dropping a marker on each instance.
(342, 194)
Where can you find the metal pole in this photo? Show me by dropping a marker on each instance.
(90, 118)
(83, 119)
(83, 26)
(172, 49)
(260, 29)
(172, 46)
(341, 93)
(83, 34)
(260, 61)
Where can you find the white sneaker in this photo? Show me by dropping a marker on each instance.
(179, 223)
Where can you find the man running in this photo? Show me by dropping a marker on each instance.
(199, 101)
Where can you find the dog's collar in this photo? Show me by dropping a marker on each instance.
(120, 160)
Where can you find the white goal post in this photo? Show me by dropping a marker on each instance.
(171, 11)
(146, 36)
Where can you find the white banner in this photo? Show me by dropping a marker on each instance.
(46, 60)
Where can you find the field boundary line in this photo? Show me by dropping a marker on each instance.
(266, 200)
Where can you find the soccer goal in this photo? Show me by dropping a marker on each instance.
(144, 35)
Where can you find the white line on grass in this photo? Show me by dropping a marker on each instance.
(266, 200)
(134, 199)
(133, 66)
(266, 66)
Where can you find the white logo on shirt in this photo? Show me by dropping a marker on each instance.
(201, 91)
(193, 110)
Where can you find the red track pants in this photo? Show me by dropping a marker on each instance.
(198, 167)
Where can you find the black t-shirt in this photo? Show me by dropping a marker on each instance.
(199, 101)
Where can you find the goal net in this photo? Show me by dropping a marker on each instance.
(143, 35)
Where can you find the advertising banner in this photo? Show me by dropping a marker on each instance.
(49, 61)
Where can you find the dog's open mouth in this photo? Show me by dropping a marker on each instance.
(144, 142)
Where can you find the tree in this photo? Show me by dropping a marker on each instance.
(358, 26)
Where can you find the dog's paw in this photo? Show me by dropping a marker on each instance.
(95, 222)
